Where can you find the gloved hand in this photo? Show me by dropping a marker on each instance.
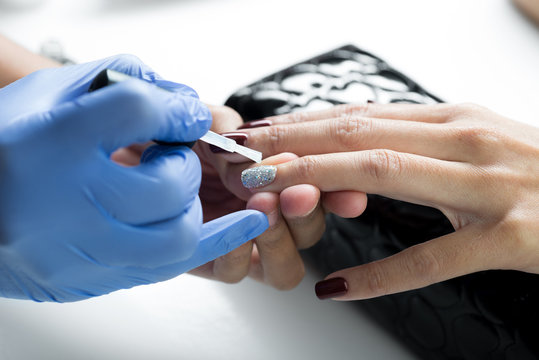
(74, 224)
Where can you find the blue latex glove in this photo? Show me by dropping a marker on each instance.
(74, 224)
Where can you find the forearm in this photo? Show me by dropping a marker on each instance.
(530, 8)
(17, 62)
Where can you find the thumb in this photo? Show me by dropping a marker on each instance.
(222, 235)
(218, 237)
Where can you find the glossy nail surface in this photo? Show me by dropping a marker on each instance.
(255, 124)
(258, 176)
(331, 288)
(238, 137)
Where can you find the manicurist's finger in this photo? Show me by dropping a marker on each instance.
(449, 256)
(401, 176)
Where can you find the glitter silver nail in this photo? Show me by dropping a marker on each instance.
(258, 176)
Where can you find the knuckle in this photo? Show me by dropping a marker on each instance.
(347, 130)
(307, 167)
(423, 264)
(478, 137)
(383, 164)
(227, 113)
(277, 138)
(376, 279)
(298, 117)
(466, 109)
(351, 110)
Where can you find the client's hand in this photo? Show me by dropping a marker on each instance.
(479, 168)
(295, 215)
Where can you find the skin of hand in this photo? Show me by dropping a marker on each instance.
(296, 215)
(16, 62)
(530, 8)
(477, 167)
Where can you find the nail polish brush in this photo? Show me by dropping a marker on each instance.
(109, 77)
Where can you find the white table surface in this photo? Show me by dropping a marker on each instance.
(462, 50)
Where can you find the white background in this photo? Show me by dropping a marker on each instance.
(462, 50)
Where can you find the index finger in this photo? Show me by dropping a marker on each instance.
(400, 176)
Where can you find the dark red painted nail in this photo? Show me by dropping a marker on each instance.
(255, 124)
(238, 137)
(331, 288)
(371, 101)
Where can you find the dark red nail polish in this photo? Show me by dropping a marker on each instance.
(239, 138)
(371, 101)
(255, 124)
(331, 288)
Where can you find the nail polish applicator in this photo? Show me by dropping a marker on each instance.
(109, 77)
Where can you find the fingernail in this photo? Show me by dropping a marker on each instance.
(331, 288)
(238, 137)
(371, 101)
(258, 176)
(255, 124)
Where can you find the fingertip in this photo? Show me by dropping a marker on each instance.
(259, 222)
(279, 159)
(191, 119)
(299, 200)
(267, 203)
(258, 176)
(346, 204)
(332, 287)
